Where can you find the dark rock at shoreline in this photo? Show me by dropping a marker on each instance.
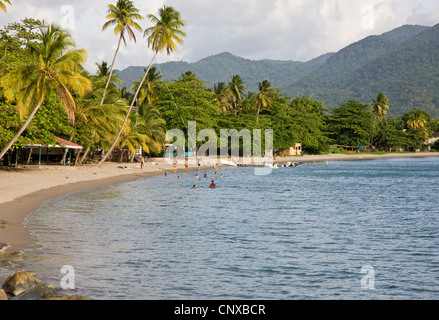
(37, 292)
(23, 285)
(10, 260)
(3, 295)
(19, 282)
(3, 224)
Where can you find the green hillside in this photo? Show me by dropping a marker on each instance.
(223, 66)
(403, 63)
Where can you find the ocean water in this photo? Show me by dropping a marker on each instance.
(363, 230)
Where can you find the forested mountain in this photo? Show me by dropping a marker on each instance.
(223, 66)
(402, 63)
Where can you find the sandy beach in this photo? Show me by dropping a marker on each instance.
(23, 190)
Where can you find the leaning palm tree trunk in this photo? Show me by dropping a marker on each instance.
(111, 71)
(128, 113)
(26, 124)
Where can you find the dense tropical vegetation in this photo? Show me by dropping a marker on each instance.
(46, 93)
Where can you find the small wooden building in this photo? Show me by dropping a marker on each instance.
(291, 151)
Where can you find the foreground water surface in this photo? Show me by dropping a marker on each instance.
(363, 230)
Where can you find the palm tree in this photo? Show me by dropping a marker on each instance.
(380, 106)
(103, 120)
(417, 124)
(2, 5)
(237, 89)
(416, 120)
(104, 71)
(222, 95)
(164, 35)
(57, 69)
(263, 98)
(154, 127)
(151, 87)
(123, 16)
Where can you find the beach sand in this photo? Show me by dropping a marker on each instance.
(23, 190)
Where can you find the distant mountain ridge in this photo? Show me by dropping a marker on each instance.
(379, 64)
(221, 67)
(402, 63)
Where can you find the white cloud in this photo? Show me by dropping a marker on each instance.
(254, 29)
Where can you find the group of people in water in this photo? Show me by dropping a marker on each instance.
(212, 185)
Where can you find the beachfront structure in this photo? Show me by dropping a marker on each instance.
(63, 150)
(291, 151)
(434, 138)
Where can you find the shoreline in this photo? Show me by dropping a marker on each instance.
(24, 190)
(21, 194)
(354, 156)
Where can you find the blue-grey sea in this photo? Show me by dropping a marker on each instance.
(351, 230)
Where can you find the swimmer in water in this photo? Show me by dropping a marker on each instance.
(194, 186)
(212, 185)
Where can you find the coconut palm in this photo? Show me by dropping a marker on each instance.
(416, 119)
(151, 87)
(237, 89)
(380, 106)
(417, 122)
(104, 71)
(154, 126)
(164, 35)
(222, 95)
(2, 5)
(263, 98)
(57, 69)
(103, 120)
(122, 16)
(133, 137)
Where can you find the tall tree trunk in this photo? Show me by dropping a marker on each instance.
(63, 160)
(111, 71)
(128, 113)
(85, 154)
(88, 149)
(20, 132)
(30, 155)
(77, 154)
(257, 115)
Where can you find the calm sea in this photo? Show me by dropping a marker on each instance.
(363, 230)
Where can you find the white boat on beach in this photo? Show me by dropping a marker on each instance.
(229, 163)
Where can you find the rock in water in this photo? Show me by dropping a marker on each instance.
(37, 292)
(10, 259)
(4, 246)
(3, 295)
(19, 282)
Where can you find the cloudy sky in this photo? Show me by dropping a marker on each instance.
(254, 29)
